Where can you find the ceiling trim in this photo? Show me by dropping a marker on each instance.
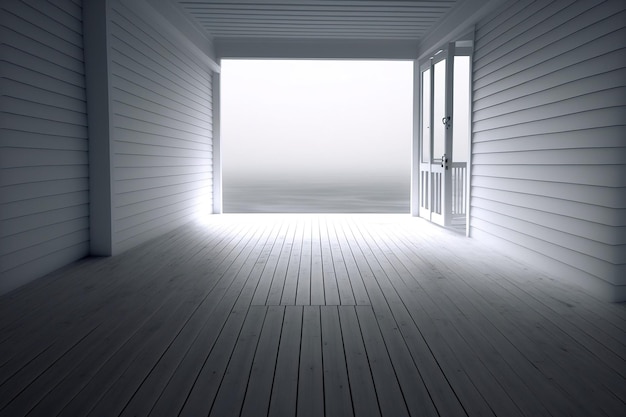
(316, 48)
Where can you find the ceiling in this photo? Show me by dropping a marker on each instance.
(408, 20)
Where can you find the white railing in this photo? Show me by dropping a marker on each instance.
(459, 188)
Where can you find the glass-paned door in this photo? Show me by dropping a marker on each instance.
(444, 137)
(434, 137)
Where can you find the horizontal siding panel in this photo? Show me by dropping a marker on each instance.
(23, 24)
(573, 77)
(587, 194)
(34, 206)
(154, 228)
(18, 138)
(563, 207)
(126, 136)
(131, 186)
(606, 238)
(548, 154)
(13, 176)
(152, 195)
(123, 98)
(26, 239)
(154, 149)
(27, 157)
(612, 97)
(157, 172)
(25, 50)
(599, 175)
(59, 14)
(127, 123)
(602, 137)
(144, 221)
(567, 37)
(68, 86)
(32, 190)
(44, 195)
(130, 214)
(589, 264)
(532, 27)
(594, 156)
(489, 29)
(515, 21)
(598, 253)
(42, 219)
(42, 126)
(135, 112)
(166, 76)
(44, 21)
(30, 93)
(547, 92)
(45, 248)
(162, 117)
(53, 260)
(612, 116)
(567, 274)
(185, 69)
(18, 106)
(524, 72)
(141, 161)
(73, 7)
(125, 73)
(127, 88)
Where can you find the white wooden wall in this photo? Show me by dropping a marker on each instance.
(549, 148)
(43, 137)
(161, 130)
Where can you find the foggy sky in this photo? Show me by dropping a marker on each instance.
(316, 120)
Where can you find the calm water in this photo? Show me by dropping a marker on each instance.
(305, 197)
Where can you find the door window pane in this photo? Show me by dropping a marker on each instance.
(425, 106)
(461, 109)
(439, 110)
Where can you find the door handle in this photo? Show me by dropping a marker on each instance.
(446, 121)
(444, 161)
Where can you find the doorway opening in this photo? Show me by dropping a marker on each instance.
(317, 136)
(445, 136)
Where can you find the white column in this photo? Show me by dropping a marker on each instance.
(97, 85)
(415, 143)
(217, 155)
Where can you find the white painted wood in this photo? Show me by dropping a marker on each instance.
(161, 106)
(170, 328)
(97, 68)
(416, 151)
(587, 194)
(548, 150)
(218, 202)
(289, 48)
(315, 20)
(44, 216)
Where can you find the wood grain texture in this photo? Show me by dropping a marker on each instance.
(548, 161)
(43, 135)
(180, 327)
(162, 130)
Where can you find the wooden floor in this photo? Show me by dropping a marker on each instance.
(309, 315)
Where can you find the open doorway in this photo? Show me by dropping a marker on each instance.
(316, 136)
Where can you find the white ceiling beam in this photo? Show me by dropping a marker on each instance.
(331, 48)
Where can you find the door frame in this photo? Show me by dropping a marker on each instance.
(461, 47)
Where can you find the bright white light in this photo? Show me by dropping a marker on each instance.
(316, 119)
